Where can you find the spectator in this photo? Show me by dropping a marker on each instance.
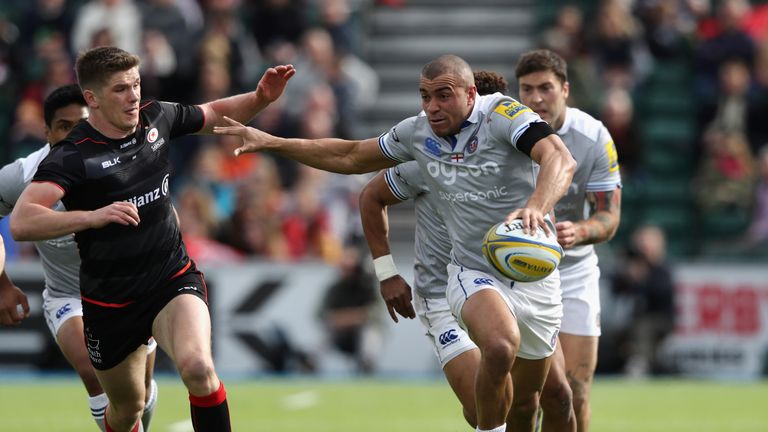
(726, 173)
(646, 280)
(757, 234)
(347, 310)
(121, 18)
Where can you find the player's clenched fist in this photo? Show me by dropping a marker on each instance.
(13, 305)
(121, 212)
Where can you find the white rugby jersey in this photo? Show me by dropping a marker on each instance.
(597, 170)
(59, 257)
(478, 176)
(432, 246)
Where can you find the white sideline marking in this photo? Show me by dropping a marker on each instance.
(300, 401)
(182, 426)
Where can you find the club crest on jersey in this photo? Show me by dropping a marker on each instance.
(152, 135)
(472, 147)
(457, 157)
(432, 146)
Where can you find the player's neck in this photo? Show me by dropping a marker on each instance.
(108, 129)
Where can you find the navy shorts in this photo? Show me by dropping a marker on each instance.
(112, 333)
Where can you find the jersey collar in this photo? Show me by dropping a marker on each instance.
(566, 123)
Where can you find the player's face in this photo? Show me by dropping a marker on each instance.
(447, 102)
(64, 119)
(546, 95)
(118, 100)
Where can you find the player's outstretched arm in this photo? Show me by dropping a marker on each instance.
(601, 226)
(244, 107)
(557, 168)
(328, 154)
(374, 200)
(33, 219)
(13, 302)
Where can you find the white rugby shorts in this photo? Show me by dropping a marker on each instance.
(446, 336)
(581, 298)
(537, 306)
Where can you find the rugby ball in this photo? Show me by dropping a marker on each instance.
(519, 256)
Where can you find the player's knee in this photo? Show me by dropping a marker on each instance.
(557, 399)
(125, 412)
(195, 370)
(580, 389)
(499, 354)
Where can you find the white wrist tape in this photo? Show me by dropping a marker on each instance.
(385, 267)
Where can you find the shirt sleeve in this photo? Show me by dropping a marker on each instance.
(510, 120)
(11, 186)
(184, 119)
(396, 144)
(63, 167)
(405, 181)
(605, 175)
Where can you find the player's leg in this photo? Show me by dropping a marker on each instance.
(150, 400)
(458, 355)
(528, 377)
(183, 331)
(557, 399)
(64, 316)
(124, 385)
(580, 363)
(494, 329)
(580, 332)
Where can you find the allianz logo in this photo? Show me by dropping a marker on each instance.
(450, 173)
(152, 195)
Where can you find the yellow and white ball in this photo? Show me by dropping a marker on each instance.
(519, 256)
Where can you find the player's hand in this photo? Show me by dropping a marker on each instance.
(120, 212)
(532, 220)
(13, 305)
(254, 140)
(272, 83)
(397, 295)
(566, 234)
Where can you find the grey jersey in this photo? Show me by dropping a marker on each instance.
(597, 170)
(432, 246)
(478, 176)
(59, 257)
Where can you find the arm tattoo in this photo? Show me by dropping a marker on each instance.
(605, 210)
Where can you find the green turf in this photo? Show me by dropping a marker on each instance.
(380, 405)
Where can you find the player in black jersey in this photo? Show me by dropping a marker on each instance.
(111, 173)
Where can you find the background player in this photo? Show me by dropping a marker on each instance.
(62, 308)
(477, 154)
(137, 280)
(596, 191)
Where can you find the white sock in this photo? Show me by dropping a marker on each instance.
(98, 406)
(149, 407)
(501, 428)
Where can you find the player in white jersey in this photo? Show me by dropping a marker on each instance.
(486, 159)
(62, 308)
(457, 354)
(589, 213)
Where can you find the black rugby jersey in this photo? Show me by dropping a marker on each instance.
(120, 263)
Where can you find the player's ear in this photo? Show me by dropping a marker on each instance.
(566, 89)
(471, 95)
(90, 98)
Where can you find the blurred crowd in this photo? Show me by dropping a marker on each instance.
(195, 51)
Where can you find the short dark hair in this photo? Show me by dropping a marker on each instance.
(59, 98)
(449, 64)
(542, 60)
(95, 66)
(489, 82)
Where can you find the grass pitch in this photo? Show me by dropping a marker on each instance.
(293, 405)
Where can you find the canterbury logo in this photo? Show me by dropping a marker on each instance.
(448, 337)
